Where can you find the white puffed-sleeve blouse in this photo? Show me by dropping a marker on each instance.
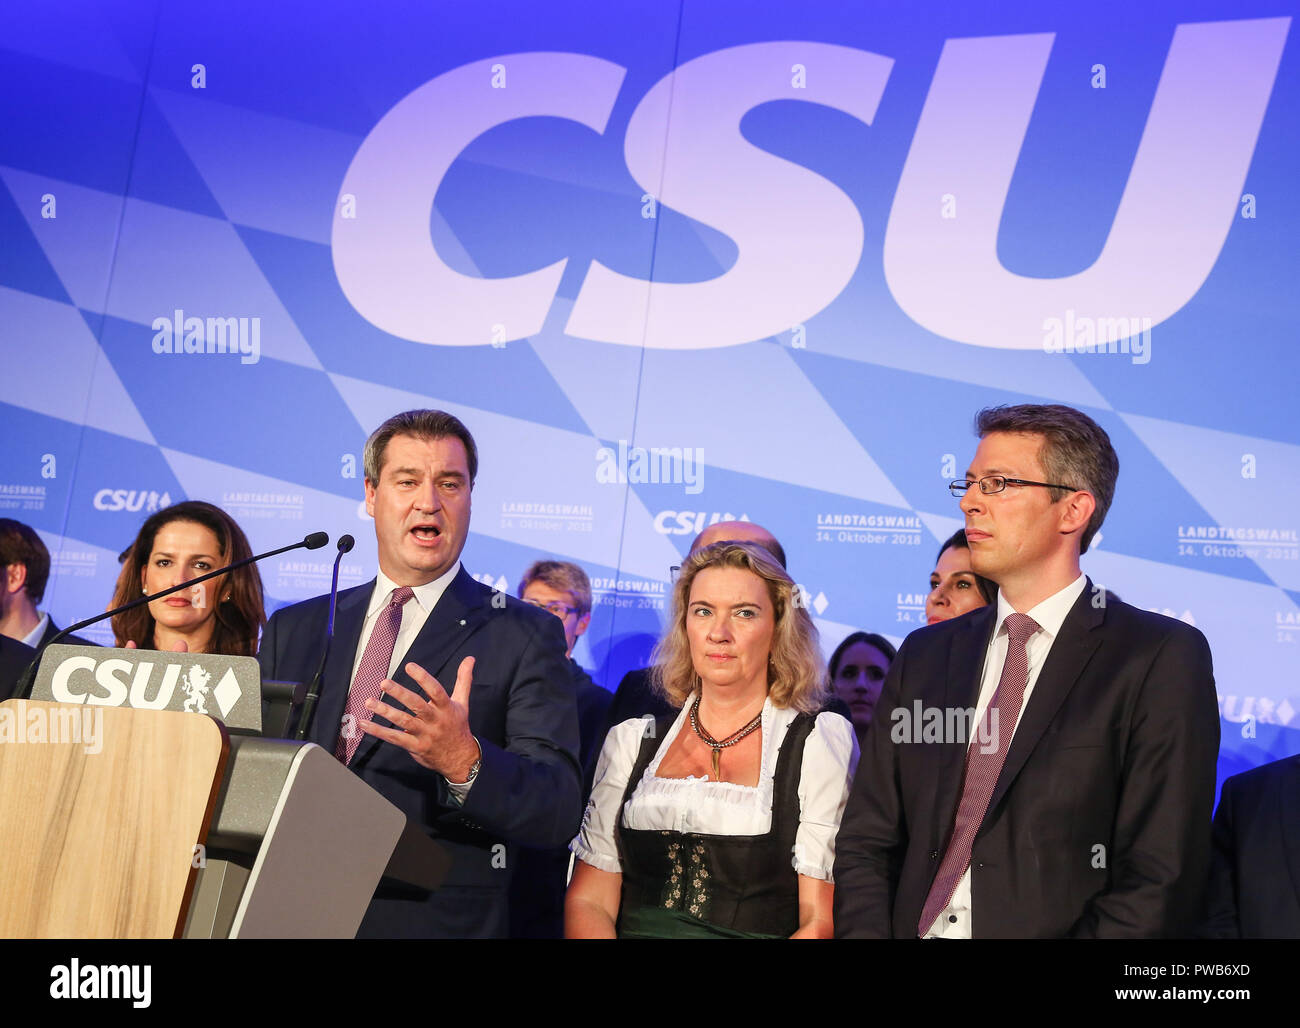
(704, 807)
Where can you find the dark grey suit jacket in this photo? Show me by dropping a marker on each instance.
(1099, 824)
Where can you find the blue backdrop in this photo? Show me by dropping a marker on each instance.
(671, 262)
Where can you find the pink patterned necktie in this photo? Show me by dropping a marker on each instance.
(982, 770)
(372, 672)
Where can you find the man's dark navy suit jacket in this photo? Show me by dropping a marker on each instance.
(1255, 877)
(522, 711)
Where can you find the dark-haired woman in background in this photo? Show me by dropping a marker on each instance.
(222, 615)
(954, 587)
(858, 668)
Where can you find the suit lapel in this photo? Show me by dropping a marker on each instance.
(961, 692)
(1070, 653)
(459, 612)
(1290, 804)
(349, 619)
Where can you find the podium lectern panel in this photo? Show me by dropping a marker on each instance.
(120, 822)
(99, 815)
(298, 845)
(291, 892)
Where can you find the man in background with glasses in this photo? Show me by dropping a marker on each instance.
(564, 590)
(537, 888)
(1069, 790)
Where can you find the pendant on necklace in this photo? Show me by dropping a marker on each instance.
(717, 758)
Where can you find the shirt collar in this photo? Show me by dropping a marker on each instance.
(1051, 613)
(427, 595)
(33, 638)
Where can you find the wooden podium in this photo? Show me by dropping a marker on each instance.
(161, 824)
(98, 836)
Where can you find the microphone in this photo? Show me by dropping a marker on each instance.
(312, 542)
(313, 693)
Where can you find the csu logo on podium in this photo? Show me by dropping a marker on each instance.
(152, 680)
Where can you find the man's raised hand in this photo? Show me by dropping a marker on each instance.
(435, 732)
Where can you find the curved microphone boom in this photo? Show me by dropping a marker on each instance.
(311, 542)
(313, 693)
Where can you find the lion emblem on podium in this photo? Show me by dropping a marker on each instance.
(196, 689)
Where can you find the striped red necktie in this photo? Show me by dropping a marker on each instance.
(982, 769)
(372, 672)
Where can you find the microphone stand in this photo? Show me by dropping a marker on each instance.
(312, 542)
(313, 693)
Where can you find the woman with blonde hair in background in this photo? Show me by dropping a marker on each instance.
(694, 819)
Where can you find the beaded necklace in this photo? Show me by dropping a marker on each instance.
(713, 743)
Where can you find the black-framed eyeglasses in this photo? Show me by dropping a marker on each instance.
(996, 483)
(560, 610)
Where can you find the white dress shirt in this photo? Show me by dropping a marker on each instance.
(701, 806)
(33, 638)
(415, 612)
(414, 615)
(954, 922)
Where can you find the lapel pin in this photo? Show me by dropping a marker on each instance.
(462, 622)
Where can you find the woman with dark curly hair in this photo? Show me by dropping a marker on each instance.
(694, 818)
(180, 542)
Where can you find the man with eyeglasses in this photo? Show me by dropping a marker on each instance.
(1073, 796)
(564, 590)
(537, 888)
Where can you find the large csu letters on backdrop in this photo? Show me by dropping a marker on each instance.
(1171, 222)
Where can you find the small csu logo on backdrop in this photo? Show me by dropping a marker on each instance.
(131, 500)
(691, 522)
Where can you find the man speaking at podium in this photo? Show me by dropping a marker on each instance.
(453, 701)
